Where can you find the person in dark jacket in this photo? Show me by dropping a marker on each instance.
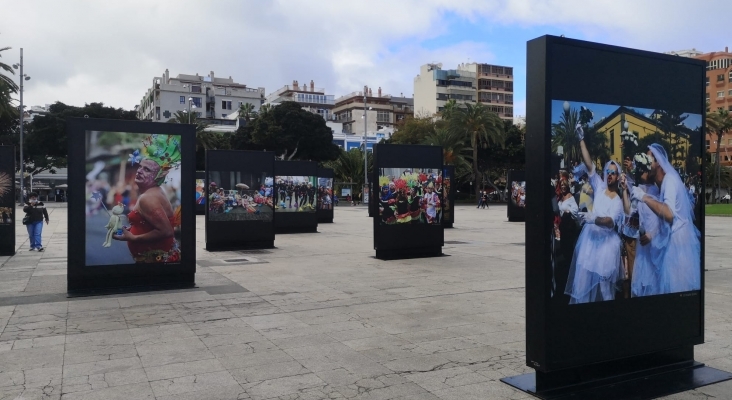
(37, 213)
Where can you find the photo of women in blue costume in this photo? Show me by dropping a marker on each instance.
(639, 235)
(410, 196)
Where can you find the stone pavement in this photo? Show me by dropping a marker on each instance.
(316, 318)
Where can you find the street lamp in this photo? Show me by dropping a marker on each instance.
(23, 77)
(365, 148)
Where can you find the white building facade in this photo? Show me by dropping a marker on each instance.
(212, 98)
(311, 99)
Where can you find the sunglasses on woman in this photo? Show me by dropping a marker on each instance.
(611, 172)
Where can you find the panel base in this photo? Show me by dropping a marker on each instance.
(325, 220)
(296, 229)
(648, 384)
(446, 225)
(417, 252)
(250, 245)
(104, 291)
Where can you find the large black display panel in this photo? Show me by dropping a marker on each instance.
(325, 195)
(240, 209)
(200, 192)
(296, 196)
(448, 195)
(7, 200)
(131, 204)
(516, 206)
(615, 281)
(407, 208)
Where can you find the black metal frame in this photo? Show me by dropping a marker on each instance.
(580, 348)
(325, 216)
(449, 197)
(296, 222)
(407, 241)
(7, 232)
(85, 279)
(238, 235)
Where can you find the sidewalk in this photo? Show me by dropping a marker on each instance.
(316, 318)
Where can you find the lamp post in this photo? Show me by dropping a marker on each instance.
(190, 100)
(23, 77)
(365, 148)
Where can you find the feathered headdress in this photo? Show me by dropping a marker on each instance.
(164, 150)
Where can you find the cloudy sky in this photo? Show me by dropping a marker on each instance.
(80, 51)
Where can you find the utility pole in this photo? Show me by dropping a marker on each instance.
(23, 78)
(365, 148)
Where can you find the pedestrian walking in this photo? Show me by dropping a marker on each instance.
(35, 214)
(480, 199)
(484, 200)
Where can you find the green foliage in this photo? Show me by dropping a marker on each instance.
(479, 126)
(289, 131)
(246, 110)
(718, 124)
(46, 144)
(413, 130)
(348, 167)
(563, 134)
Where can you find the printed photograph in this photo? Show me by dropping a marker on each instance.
(518, 193)
(239, 196)
(410, 196)
(325, 193)
(201, 192)
(6, 187)
(446, 209)
(626, 183)
(133, 192)
(296, 194)
(6, 215)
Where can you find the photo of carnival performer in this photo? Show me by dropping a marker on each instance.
(409, 196)
(676, 246)
(518, 193)
(296, 194)
(325, 193)
(150, 235)
(250, 198)
(596, 264)
(200, 192)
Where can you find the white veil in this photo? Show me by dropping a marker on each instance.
(685, 209)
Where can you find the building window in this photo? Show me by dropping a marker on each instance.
(708, 81)
(729, 142)
(720, 78)
(707, 144)
(197, 101)
(442, 96)
(182, 99)
(195, 88)
(707, 96)
(730, 76)
(729, 108)
(720, 95)
(612, 140)
(383, 116)
(223, 115)
(226, 105)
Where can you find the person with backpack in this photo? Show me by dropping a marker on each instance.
(35, 214)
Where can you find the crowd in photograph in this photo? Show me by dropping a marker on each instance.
(625, 231)
(242, 198)
(518, 193)
(413, 196)
(296, 194)
(325, 197)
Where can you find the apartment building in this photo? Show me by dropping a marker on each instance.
(470, 83)
(719, 96)
(311, 98)
(383, 112)
(212, 98)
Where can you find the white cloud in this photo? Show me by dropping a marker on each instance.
(82, 51)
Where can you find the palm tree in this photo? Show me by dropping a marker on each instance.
(718, 124)
(451, 106)
(7, 88)
(348, 167)
(265, 108)
(453, 146)
(482, 127)
(203, 139)
(563, 134)
(245, 110)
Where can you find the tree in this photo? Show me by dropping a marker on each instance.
(413, 130)
(348, 167)
(289, 131)
(204, 139)
(7, 88)
(564, 135)
(46, 144)
(494, 162)
(451, 106)
(718, 124)
(482, 127)
(245, 110)
(453, 146)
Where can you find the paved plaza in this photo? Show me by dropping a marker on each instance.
(316, 318)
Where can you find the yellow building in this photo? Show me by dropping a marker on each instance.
(641, 126)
